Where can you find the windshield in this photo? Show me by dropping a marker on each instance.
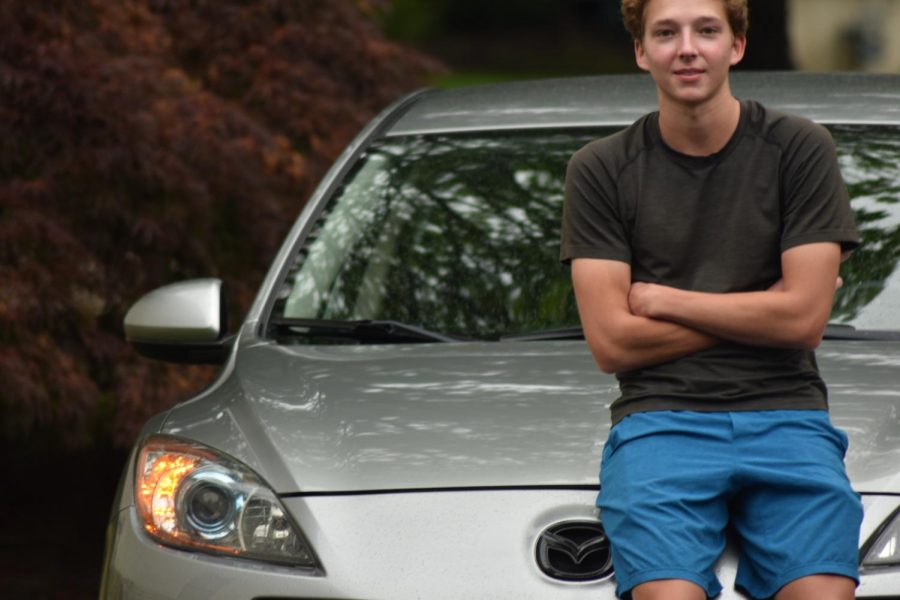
(870, 163)
(459, 234)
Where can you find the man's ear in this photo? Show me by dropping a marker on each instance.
(737, 48)
(640, 56)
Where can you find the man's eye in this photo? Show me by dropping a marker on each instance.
(664, 33)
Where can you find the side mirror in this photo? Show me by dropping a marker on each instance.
(182, 322)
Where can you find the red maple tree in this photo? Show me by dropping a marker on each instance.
(148, 141)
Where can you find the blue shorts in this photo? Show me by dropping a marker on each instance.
(674, 483)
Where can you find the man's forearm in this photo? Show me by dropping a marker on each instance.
(791, 314)
(633, 342)
(765, 318)
(618, 339)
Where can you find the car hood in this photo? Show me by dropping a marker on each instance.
(326, 419)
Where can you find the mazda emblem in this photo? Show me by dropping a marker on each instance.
(574, 551)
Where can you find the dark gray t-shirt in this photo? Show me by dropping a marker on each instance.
(714, 224)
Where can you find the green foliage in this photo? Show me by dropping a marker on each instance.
(148, 141)
(414, 20)
(418, 20)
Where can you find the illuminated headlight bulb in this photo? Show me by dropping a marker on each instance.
(209, 506)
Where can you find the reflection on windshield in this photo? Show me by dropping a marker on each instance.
(457, 234)
(869, 159)
(460, 234)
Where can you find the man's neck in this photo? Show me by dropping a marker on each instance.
(699, 129)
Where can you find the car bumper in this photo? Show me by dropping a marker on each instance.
(406, 546)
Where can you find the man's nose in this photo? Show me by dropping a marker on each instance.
(688, 46)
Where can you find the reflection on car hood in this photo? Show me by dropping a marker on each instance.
(355, 418)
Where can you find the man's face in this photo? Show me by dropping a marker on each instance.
(688, 47)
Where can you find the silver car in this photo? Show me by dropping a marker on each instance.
(409, 409)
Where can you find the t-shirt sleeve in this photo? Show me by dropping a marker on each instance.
(592, 225)
(816, 203)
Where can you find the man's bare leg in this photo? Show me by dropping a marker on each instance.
(819, 587)
(669, 589)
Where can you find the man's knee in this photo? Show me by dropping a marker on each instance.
(819, 587)
(668, 589)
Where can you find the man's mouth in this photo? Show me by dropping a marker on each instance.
(688, 72)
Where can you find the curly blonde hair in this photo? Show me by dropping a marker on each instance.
(633, 16)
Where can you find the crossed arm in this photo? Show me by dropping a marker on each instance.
(629, 326)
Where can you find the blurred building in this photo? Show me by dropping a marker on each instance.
(835, 35)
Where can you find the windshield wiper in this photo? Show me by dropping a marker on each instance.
(376, 331)
(388, 331)
(836, 331)
(566, 333)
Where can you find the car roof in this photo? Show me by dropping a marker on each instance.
(617, 100)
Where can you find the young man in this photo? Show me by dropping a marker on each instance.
(705, 242)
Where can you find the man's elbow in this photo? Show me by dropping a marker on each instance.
(811, 342)
(809, 333)
(814, 337)
(608, 356)
(607, 365)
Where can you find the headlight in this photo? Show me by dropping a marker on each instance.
(191, 497)
(886, 549)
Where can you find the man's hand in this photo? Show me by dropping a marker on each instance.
(642, 296)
